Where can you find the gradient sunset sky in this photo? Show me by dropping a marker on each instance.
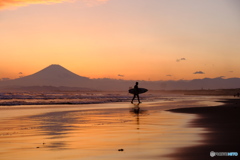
(122, 39)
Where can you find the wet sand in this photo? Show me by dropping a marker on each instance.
(100, 131)
(222, 124)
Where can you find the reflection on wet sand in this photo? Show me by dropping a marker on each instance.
(55, 124)
(96, 134)
(137, 111)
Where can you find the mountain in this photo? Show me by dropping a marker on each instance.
(53, 75)
(58, 76)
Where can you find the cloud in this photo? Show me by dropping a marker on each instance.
(17, 3)
(4, 4)
(5, 79)
(221, 77)
(199, 72)
(120, 75)
(181, 59)
(169, 75)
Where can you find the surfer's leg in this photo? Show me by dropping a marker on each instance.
(133, 98)
(138, 98)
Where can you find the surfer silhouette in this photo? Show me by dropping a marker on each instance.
(136, 93)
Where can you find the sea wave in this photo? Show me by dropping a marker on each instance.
(9, 99)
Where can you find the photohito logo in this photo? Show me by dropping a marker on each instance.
(213, 154)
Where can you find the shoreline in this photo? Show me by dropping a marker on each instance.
(222, 124)
(151, 130)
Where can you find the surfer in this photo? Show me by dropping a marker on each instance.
(136, 93)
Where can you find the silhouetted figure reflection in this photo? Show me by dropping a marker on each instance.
(136, 93)
(136, 111)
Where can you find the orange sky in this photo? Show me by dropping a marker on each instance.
(138, 39)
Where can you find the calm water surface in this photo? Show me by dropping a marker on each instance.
(97, 131)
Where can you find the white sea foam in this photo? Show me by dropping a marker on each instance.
(25, 98)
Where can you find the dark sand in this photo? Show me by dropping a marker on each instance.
(223, 124)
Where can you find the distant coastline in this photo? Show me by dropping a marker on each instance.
(57, 76)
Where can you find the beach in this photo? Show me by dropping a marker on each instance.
(223, 130)
(120, 130)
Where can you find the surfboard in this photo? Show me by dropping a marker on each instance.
(140, 91)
